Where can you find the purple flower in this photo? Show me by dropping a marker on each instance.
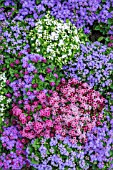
(41, 78)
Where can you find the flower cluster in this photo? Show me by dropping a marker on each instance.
(32, 80)
(4, 101)
(81, 13)
(100, 144)
(93, 65)
(56, 99)
(72, 110)
(12, 161)
(15, 37)
(53, 153)
(11, 139)
(55, 39)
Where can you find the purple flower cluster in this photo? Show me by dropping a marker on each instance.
(9, 2)
(81, 13)
(59, 155)
(34, 58)
(6, 15)
(11, 161)
(15, 37)
(29, 75)
(100, 143)
(29, 7)
(11, 139)
(19, 87)
(93, 66)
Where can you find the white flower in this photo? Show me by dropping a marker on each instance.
(77, 39)
(1, 109)
(66, 26)
(61, 42)
(70, 52)
(64, 56)
(32, 38)
(57, 33)
(49, 50)
(8, 100)
(38, 49)
(38, 42)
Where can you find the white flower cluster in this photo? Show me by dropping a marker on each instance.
(55, 39)
(3, 100)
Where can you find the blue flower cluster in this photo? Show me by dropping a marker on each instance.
(94, 65)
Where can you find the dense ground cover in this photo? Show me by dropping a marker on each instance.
(56, 84)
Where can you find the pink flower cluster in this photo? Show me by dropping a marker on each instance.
(21, 116)
(73, 110)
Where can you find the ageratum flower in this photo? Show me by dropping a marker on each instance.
(93, 65)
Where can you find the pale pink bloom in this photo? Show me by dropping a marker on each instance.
(54, 94)
(56, 105)
(16, 111)
(72, 133)
(28, 107)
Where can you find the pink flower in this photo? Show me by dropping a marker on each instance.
(1, 164)
(8, 95)
(57, 127)
(72, 133)
(38, 127)
(27, 107)
(4, 145)
(22, 118)
(44, 60)
(49, 123)
(16, 111)
(41, 96)
(17, 61)
(51, 102)
(45, 112)
(63, 80)
(42, 113)
(28, 118)
(29, 93)
(35, 85)
(48, 70)
(52, 84)
(12, 64)
(111, 37)
(56, 75)
(7, 82)
(19, 54)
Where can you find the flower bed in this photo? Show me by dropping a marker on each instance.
(56, 83)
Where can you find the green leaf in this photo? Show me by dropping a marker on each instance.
(67, 20)
(34, 161)
(0, 120)
(100, 39)
(107, 39)
(111, 86)
(97, 27)
(110, 21)
(33, 81)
